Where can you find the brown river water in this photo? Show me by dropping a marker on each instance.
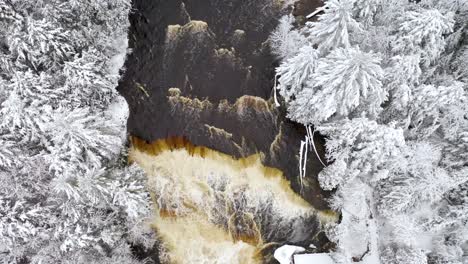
(221, 159)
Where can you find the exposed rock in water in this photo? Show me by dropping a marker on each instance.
(202, 70)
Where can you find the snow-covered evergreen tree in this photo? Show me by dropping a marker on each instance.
(359, 148)
(296, 71)
(284, 40)
(334, 27)
(422, 31)
(343, 80)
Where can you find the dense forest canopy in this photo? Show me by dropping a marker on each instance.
(66, 194)
(387, 83)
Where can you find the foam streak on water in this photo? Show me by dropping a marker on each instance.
(211, 208)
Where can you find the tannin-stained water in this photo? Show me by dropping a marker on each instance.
(212, 208)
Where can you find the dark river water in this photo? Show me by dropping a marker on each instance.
(202, 70)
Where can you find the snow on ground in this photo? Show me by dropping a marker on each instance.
(319, 258)
(118, 109)
(118, 60)
(118, 112)
(285, 253)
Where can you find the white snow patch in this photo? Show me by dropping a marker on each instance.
(318, 258)
(285, 253)
(118, 112)
(118, 60)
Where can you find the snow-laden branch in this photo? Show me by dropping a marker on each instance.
(304, 149)
(311, 134)
(311, 15)
(275, 88)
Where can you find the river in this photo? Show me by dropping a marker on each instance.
(221, 159)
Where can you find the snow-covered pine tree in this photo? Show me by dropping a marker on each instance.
(359, 148)
(432, 107)
(334, 27)
(422, 31)
(296, 72)
(284, 40)
(343, 80)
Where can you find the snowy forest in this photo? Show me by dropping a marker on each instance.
(384, 83)
(387, 83)
(66, 194)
